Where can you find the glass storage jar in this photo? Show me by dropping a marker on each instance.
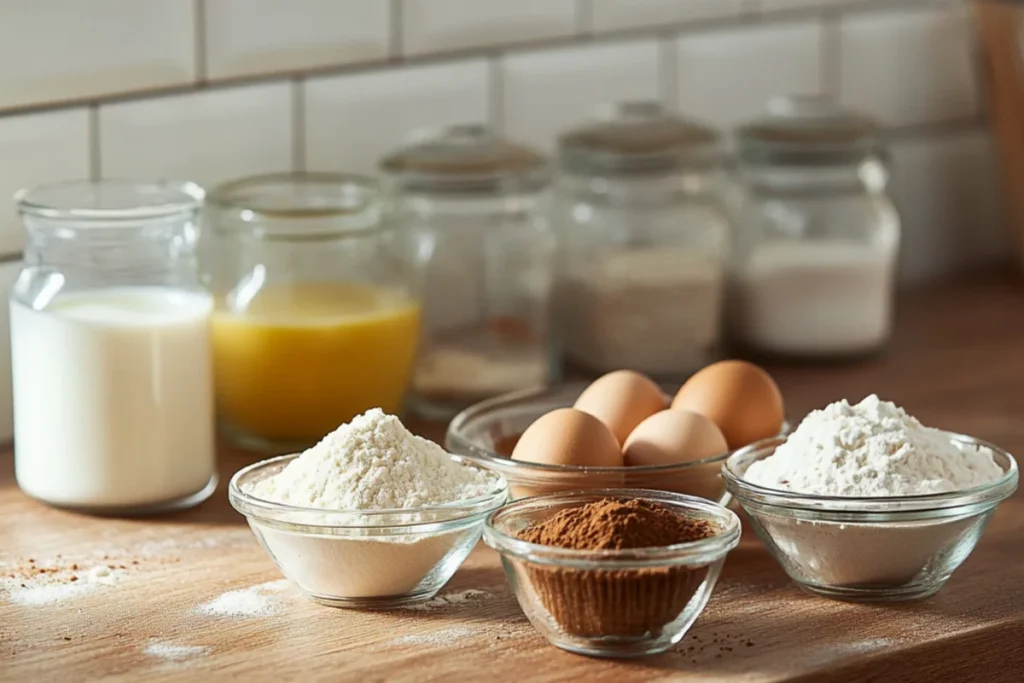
(644, 242)
(476, 205)
(317, 311)
(814, 264)
(110, 349)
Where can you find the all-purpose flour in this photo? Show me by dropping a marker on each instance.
(872, 449)
(374, 463)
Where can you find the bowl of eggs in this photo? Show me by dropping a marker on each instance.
(622, 431)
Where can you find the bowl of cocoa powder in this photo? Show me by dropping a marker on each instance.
(613, 572)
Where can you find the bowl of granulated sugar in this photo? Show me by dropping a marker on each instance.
(862, 502)
(370, 517)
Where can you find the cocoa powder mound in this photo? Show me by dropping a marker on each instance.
(619, 603)
(611, 524)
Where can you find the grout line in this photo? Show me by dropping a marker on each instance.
(496, 94)
(199, 37)
(95, 162)
(298, 125)
(584, 17)
(668, 72)
(613, 36)
(395, 37)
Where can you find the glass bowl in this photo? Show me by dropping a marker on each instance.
(487, 432)
(612, 603)
(868, 549)
(363, 559)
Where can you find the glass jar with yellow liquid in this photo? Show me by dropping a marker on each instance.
(317, 311)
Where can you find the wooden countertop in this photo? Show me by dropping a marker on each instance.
(957, 361)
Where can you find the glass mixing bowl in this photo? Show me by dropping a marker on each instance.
(868, 549)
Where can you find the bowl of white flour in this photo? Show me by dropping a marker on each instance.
(863, 502)
(372, 516)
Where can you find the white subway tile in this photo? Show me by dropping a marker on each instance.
(8, 274)
(245, 37)
(441, 25)
(608, 15)
(549, 91)
(67, 49)
(946, 187)
(207, 136)
(727, 76)
(37, 149)
(352, 120)
(909, 66)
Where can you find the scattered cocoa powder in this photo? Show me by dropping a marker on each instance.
(626, 603)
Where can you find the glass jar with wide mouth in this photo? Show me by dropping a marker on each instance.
(110, 349)
(644, 242)
(814, 264)
(475, 205)
(317, 314)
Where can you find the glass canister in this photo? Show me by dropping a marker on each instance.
(644, 242)
(317, 314)
(816, 249)
(110, 349)
(476, 207)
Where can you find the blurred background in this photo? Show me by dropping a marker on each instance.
(217, 89)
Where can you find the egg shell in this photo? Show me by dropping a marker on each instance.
(741, 398)
(568, 437)
(621, 400)
(673, 436)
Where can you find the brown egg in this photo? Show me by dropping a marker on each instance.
(739, 397)
(673, 436)
(622, 400)
(568, 437)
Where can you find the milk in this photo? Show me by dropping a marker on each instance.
(113, 398)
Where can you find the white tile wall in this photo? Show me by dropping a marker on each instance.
(36, 149)
(726, 76)
(245, 37)
(623, 14)
(544, 92)
(8, 274)
(352, 120)
(67, 49)
(207, 137)
(440, 25)
(947, 192)
(771, 5)
(909, 66)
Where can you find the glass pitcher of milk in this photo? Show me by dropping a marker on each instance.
(110, 349)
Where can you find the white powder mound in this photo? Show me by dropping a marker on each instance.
(246, 602)
(373, 463)
(872, 449)
(175, 653)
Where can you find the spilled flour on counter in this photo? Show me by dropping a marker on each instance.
(176, 653)
(255, 601)
(449, 599)
(35, 583)
(439, 638)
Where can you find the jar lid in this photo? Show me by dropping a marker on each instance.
(298, 204)
(809, 131)
(466, 158)
(638, 137)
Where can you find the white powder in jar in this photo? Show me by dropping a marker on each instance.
(814, 298)
(872, 449)
(654, 310)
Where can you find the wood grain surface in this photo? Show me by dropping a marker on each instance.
(957, 361)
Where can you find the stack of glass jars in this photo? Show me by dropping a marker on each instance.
(317, 307)
(475, 205)
(645, 241)
(815, 255)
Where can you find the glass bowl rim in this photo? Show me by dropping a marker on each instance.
(703, 551)
(455, 439)
(745, 491)
(394, 519)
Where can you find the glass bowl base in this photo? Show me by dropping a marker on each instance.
(371, 603)
(875, 593)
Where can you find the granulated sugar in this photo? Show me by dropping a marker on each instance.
(176, 653)
(255, 601)
(449, 599)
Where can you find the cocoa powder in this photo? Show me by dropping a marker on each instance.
(615, 602)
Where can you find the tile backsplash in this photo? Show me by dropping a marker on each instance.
(212, 89)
